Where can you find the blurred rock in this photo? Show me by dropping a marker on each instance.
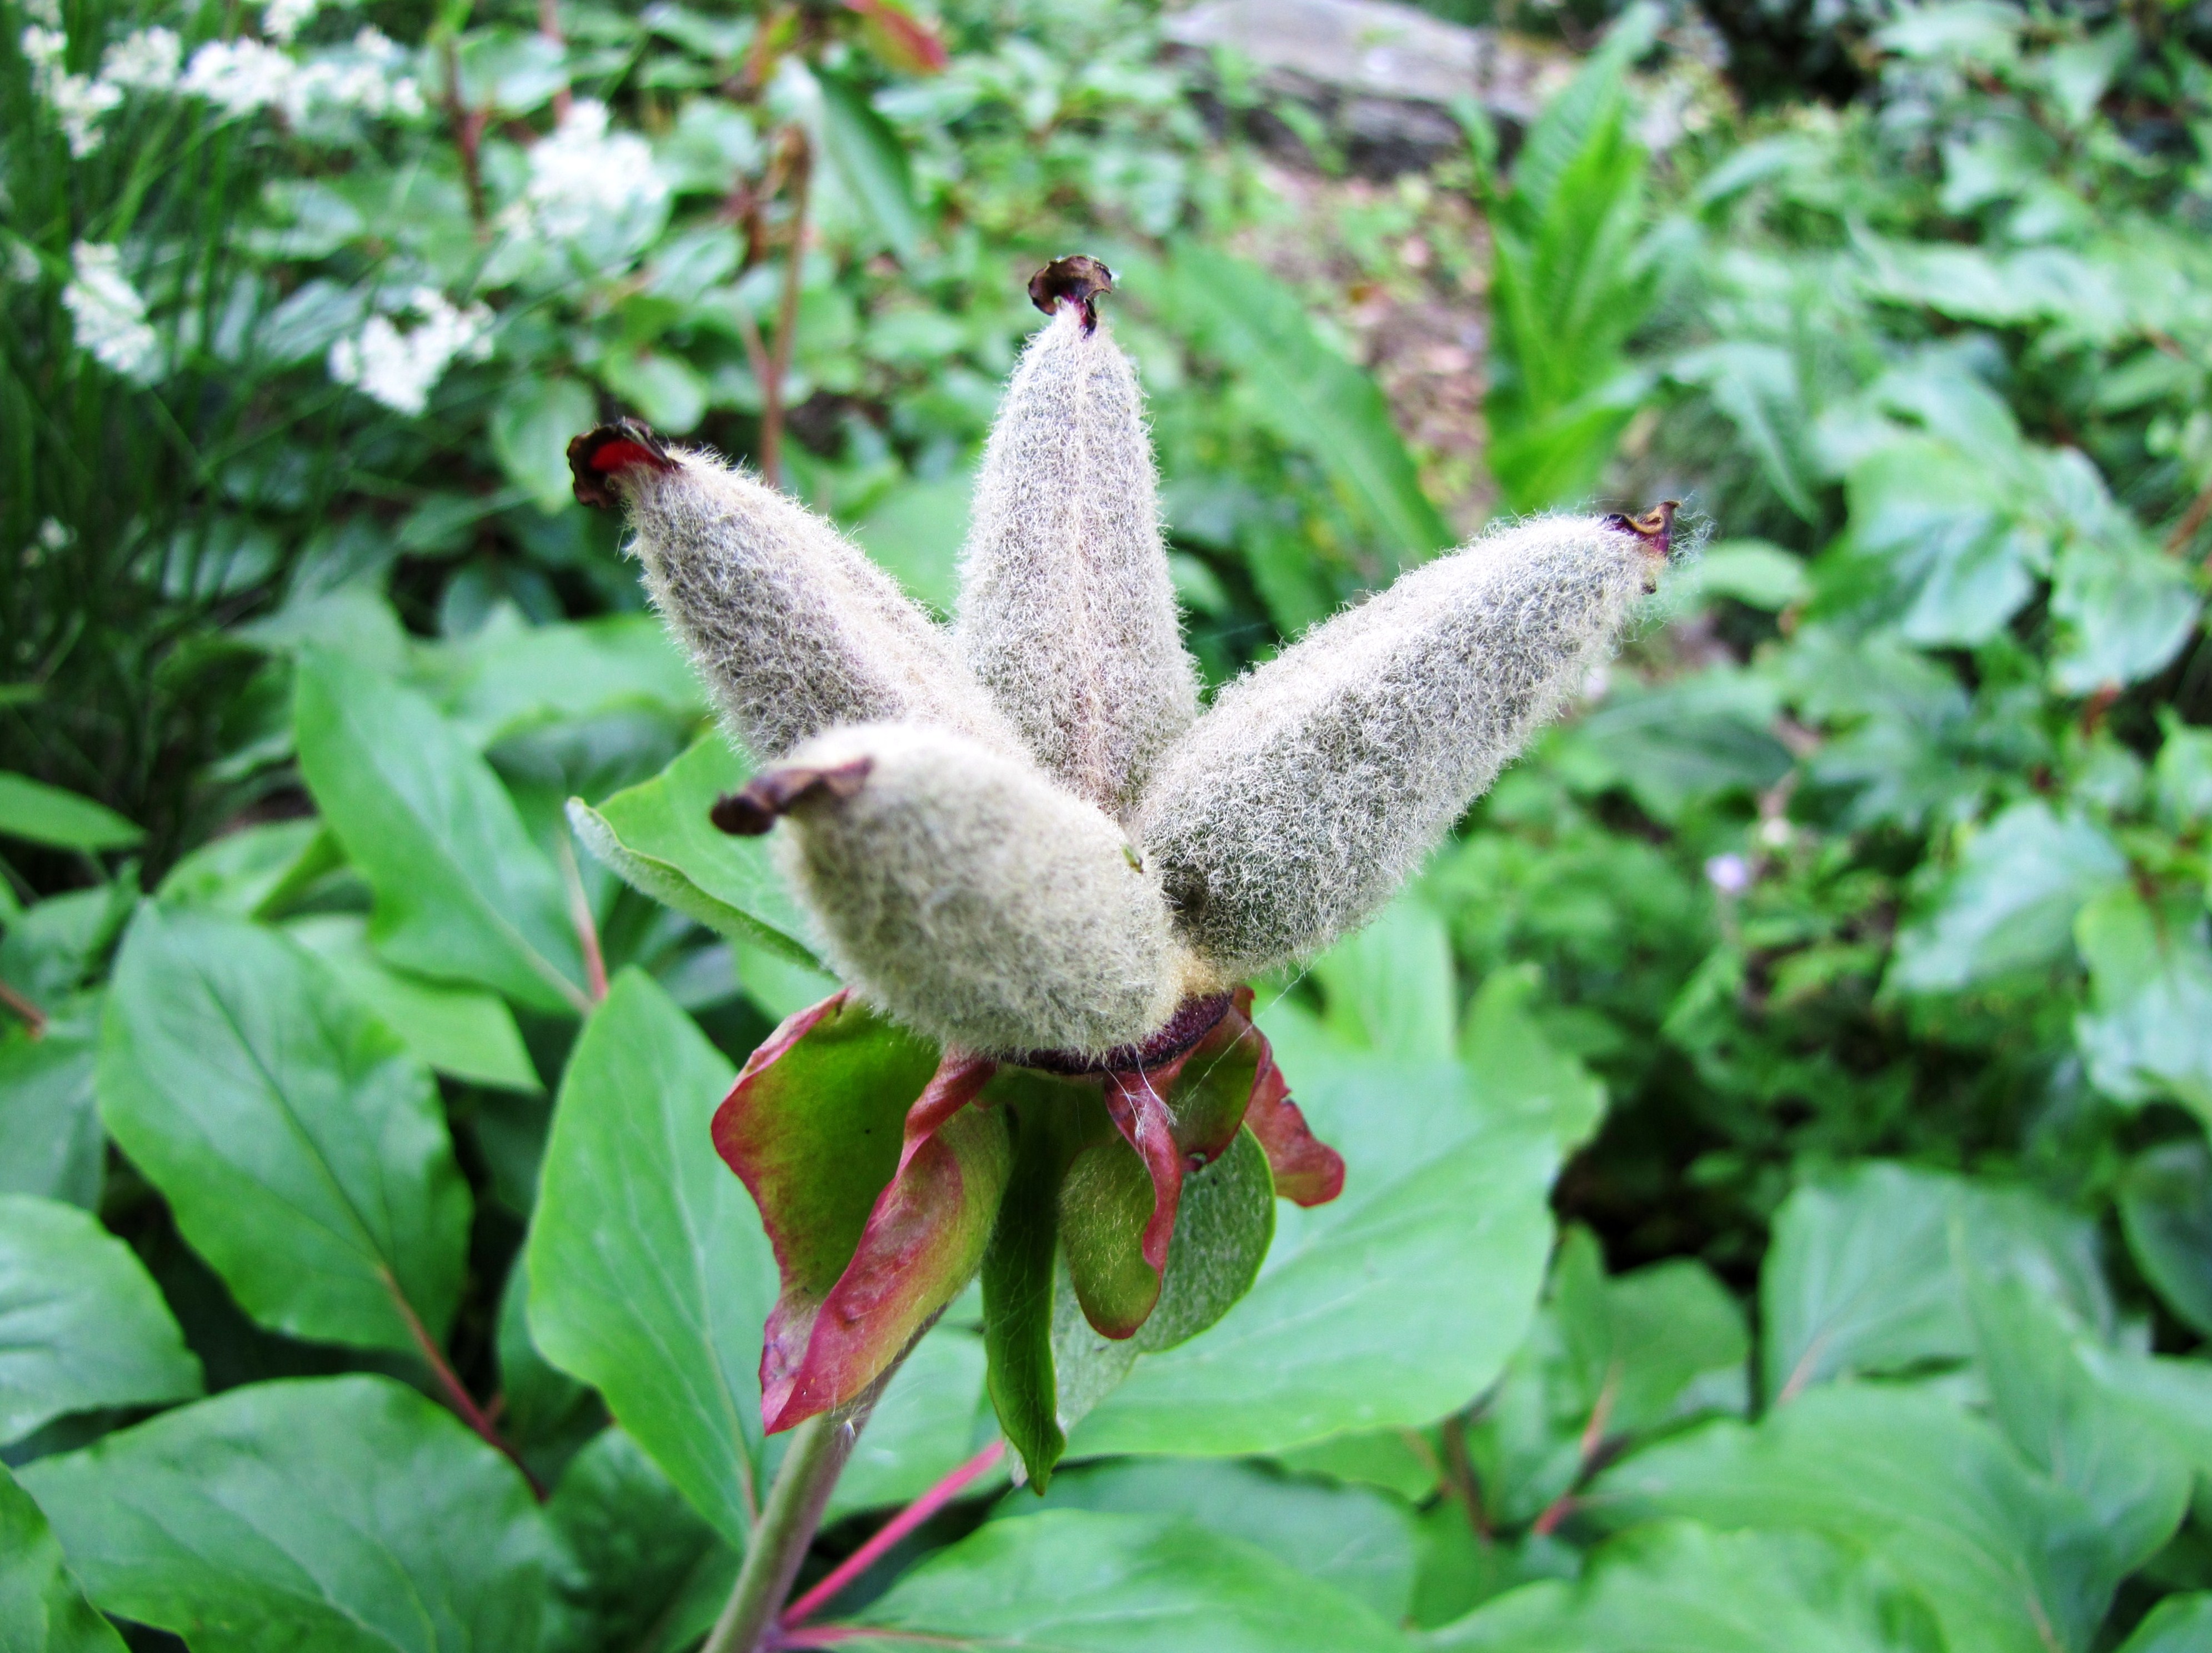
(1383, 77)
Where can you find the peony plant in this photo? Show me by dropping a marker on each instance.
(1046, 874)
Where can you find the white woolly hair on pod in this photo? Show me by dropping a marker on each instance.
(976, 901)
(793, 630)
(1067, 611)
(1315, 783)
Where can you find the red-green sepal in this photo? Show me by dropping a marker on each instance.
(1307, 1171)
(878, 1185)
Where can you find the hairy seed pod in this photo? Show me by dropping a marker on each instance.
(792, 628)
(972, 899)
(1315, 783)
(1066, 612)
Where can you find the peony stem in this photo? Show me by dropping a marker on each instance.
(893, 1530)
(796, 1500)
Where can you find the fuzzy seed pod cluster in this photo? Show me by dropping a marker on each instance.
(1021, 833)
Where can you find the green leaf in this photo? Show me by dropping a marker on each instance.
(2165, 1211)
(1681, 1585)
(1939, 523)
(667, 390)
(1223, 1223)
(657, 837)
(42, 1609)
(50, 1143)
(2008, 1562)
(302, 1150)
(546, 1413)
(2126, 609)
(629, 1544)
(1392, 986)
(1643, 1343)
(869, 163)
(1306, 393)
(346, 1514)
(1347, 1321)
(1751, 571)
(81, 1323)
(2179, 1624)
(1860, 1276)
(1687, 743)
(461, 891)
(2056, 1409)
(254, 872)
(2010, 905)
(649, 1275)
(1078, 1582)
(1353, 1538)
(530, 425)
(1512, 1066)
(462, 1031)
(513, 679)
(40, 814)
(2149, 1030)
(916, 530)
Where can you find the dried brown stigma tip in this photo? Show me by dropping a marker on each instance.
(598, 456)
(756, 805)
(1077, 279)
(1656, 527)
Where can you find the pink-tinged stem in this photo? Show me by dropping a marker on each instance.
(457, 1392)
(35, 1019)
(890, 1534)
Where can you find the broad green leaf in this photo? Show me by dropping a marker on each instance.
(1861, 1275)
(1685, 742)
(2126, 609)
(869, 163)
(1679, 1585)
(649, 1275)
(1391, 986)
(546, 1413)
(1305, 392)
(2179, 1624)
(2054, 1407)
(1391, 1307)
(916, 531)
(1940, 522)
(530, 425)
(1757, 386)
(81, 1324)
(53, 949)
(1649, 1342)
(50, 1143)
(657, 837)
(2008, 1562)
(254, 872)
(1752, 572)
(42, 1610)
(1355, 1539)
(2148, 1032)
(931, 1419)
(1514, 1068)
(511, 679)
(40, 814)
(2165, 1211)
(464, 1031)
(303, 1149)
(462, 892)
(628, 1543)
(346, 1514)
(1078, 1582)
(1223, 1226)
(2011, 903)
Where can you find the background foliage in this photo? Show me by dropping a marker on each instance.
(1779, 1212)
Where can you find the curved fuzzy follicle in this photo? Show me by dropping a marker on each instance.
(791, 627)
(975, 901)
(1066, 612)
(1300, 802)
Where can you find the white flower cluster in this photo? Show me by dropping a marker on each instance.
(246, 76)
(400, 368)
(146, 61)
(107, 312)
(579, 174)
(281, 19)
(78, 101)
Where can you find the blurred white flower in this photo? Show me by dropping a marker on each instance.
(579, 174)
(107, 314)
(1730, 874)
(400, 368)
(22, 264)
(78, 101)
(282, 19)
(1775, 832)
(242, 76)
(145, 61)
(53, 537)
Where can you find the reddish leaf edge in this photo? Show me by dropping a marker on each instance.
(806, 1345)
